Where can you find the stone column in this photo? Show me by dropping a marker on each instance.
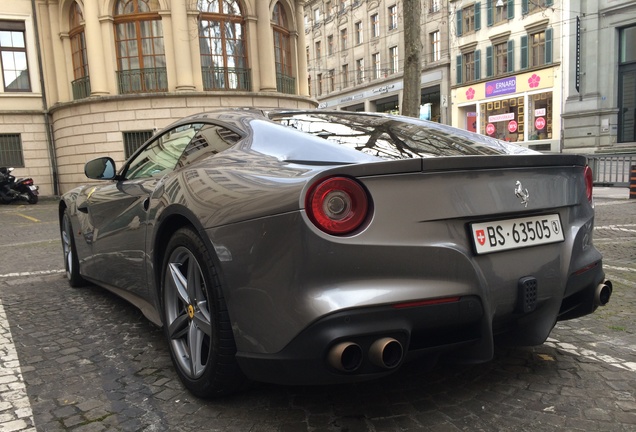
(95, 49)
(265, 43)
(301, 74)
(181, 39)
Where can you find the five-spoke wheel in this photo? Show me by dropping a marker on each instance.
(196, 320)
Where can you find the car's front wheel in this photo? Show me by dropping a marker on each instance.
(196, 320)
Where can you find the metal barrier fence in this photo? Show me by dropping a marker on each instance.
(611, 170)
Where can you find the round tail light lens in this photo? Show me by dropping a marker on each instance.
(337, 205)
(589, 182)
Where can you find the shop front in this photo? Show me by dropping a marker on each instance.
(523, 108)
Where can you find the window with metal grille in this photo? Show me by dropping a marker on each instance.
(11, 151)
(134, 140)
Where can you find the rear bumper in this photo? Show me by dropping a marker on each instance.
(420, 330)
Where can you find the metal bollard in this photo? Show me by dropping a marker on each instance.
(632, 182)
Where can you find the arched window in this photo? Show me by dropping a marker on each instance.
(285, 82)
(222, 45)
(141, 60)
(81, 84)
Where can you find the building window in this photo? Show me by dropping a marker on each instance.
(537, 49)
(501, 12)
(393, 18)
(318, 51)
(285, 82)
(134, 140)
(627, 85)
(468, 17)
(532, 6)
(13, 56)
(377, 67)
(359, 36)
(375, 25)
(319, 79)
(11, 151)
(345, 75)
(469, 67)
(395, 61)
(501, 58)
(222, 46)
(328, 10)
(343, 5)
(436, 46)
(332, 80)
(359, 71)
(316, 16)
(81, 83)
(141, 59)
(433, 6)
(343, 40)
(330, 45)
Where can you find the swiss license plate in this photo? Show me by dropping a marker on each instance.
(517, 233)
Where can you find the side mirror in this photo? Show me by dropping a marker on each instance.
(100, 169)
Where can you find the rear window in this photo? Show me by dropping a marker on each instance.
(393, 137)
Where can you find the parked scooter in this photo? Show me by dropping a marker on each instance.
(11, 189)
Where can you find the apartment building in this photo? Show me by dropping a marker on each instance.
(600, 84)
(507, 70)
(355, 56)
(82, 78)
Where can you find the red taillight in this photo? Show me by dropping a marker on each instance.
(28, 182)
(337, 205)
(589, 181)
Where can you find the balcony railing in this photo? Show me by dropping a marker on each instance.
(285, 83)
(149, 80)
(220, 78)
(81, 88)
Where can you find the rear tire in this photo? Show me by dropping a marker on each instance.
(71, 262)
(33, 198)
(196, 320)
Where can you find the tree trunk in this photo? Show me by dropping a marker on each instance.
(412, 65)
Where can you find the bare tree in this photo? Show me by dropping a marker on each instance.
(412, 65)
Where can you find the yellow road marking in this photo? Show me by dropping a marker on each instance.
(28, 217)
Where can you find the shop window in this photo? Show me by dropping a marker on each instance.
(539, 116)
(503, 119)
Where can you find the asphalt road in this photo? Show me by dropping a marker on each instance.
(84, 360)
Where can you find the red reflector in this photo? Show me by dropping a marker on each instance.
(589, 182)
(584, 269)
(426, 302)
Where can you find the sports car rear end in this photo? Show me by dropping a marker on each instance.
(451, 254)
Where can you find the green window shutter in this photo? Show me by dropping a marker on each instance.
(477, 64)
(548, 46)
(459, 69)
(524, 7)
(511, 56)
(489, 17)
(477, 16)
(489, 61)
(459, 23)
(524, 52)
(511, 9)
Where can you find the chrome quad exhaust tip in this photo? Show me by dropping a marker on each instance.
(386, 353)
(345, 356)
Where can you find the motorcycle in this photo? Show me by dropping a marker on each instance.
(21, 189)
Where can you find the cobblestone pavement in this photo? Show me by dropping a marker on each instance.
(85, 360)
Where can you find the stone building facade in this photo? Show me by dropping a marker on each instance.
(86, 78)
(355, 53)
